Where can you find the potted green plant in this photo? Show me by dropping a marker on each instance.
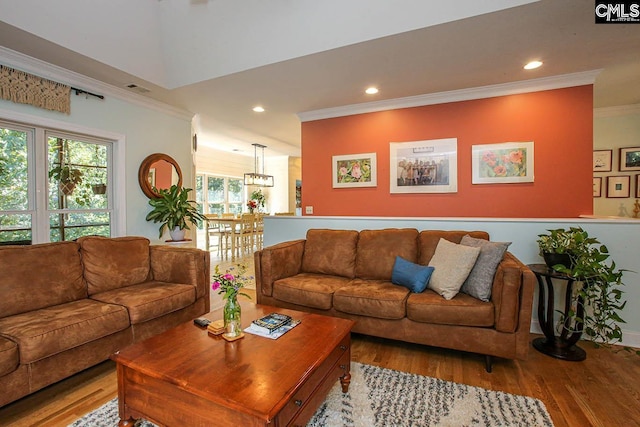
(172, 209)
(598, 278)
(67, 178)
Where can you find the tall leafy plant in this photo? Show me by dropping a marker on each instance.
(173, 208)
(600, 280)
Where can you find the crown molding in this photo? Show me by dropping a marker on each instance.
(618, 110)
(504, 89)
(28, 64)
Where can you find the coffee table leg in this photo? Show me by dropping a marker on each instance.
(127, 423)
(345, 380)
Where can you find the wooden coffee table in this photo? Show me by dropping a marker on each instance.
(185, 376)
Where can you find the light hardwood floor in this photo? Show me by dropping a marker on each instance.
(603, 390)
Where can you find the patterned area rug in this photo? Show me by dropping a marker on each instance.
(381, 397)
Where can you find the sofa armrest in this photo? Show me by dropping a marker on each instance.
(182, 265)
(512, 295)
(277, 262)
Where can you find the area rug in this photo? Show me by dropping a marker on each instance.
(380, 397)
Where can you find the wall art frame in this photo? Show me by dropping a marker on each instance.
(597, 186)
(602, 160)
(618, 187)
(629, 159)
(354, 170)
(637, 186)
(503, 163)
(429, 166)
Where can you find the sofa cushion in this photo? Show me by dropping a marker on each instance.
(39, 276)
(452, 263)
(9, 356)
(309, 289)
(149, 300)
(373, 298)
(462, 310)
(330, 252)
(412, 276)
(428, 241)
(480, 279)
(378, 249)
(52, 330)
(111, 263)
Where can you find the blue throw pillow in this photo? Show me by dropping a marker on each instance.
(410, 275)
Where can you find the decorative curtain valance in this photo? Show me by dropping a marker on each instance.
(24, 88)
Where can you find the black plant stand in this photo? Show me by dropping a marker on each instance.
(563, 346)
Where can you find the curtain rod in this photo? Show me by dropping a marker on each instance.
(80, 91)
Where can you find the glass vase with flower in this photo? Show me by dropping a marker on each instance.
(229, 284)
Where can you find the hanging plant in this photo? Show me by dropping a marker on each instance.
(67, 178)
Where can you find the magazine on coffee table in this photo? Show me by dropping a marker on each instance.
(275, 334)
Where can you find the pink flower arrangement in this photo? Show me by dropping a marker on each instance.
(229, 284)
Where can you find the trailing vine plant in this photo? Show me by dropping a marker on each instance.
(600, 280)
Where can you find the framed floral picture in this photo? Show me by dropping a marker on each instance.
(509, 162)
(602, 160)
(429, 166)
(354, 170)
(630, 159)
(597, 186)
(618, 186)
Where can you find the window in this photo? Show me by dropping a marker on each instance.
(222, 195)
(67, 201)
(15, 187)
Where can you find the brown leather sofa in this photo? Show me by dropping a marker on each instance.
(67, 306)
(347, 274)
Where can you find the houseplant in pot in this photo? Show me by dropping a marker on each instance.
(172, 209)
(598, 278)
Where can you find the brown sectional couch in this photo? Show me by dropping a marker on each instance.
(67, 306)
(346, 273)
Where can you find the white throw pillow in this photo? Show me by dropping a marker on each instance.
(452, 264)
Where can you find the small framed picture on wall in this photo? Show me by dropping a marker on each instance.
(618, 186)
(637, 186)
(597, 186)
(630, 159)
(602, 160)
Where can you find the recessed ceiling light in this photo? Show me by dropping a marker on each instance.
(371, 90)
(258, 109)
(532, 65)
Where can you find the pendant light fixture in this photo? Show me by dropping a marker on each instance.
(255, 178)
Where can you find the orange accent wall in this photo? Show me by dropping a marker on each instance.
(559, 122)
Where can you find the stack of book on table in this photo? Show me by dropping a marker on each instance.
(273, 325)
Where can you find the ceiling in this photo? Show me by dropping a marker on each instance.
(219, 58)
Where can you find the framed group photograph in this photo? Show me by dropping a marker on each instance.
(509, 162)
(597, 186)
(618, 186)
(602, 160)
(429, 166)
(630, 159)
(355, 170)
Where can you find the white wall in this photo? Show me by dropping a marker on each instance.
(145, 131)
(615, 128)
(223, 163)
(621, 237)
